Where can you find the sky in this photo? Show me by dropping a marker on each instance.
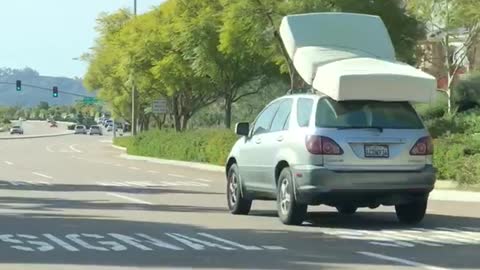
(47, 34)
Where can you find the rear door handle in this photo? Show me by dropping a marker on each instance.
(258, 141)
(280, 138)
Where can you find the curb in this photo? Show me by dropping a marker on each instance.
(193, 165)
(119, 147)
(454, 196)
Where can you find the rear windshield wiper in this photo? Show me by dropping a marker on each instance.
(377, 128)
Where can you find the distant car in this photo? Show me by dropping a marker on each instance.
(80, 129)
(95, 130)
(108, 123)
(110, 127)
(16, 130)
(53, 124)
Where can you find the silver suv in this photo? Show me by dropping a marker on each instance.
(309, 150)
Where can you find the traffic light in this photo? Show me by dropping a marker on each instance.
(19, 85)
(55, 91)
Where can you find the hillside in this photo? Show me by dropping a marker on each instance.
(29, 97)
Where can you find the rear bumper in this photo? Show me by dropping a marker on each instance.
(318, 185)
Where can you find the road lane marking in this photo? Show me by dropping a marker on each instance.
(9, 163)
(49, 149)
(81, 242)
(203, 180)
(129, 198)
(274, 248)
(118, 165)
(42, 175)
(134, 168)
(203, 242)
(435, 237)
(149, 184)
(400, 261)
(60, 242)
(177, 175)
(152, 171)
(75, 149)
(228, 242)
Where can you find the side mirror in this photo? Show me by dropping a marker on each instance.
(242, 128)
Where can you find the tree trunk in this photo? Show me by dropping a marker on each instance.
(449, 100)
(228, 112)
(185, 119)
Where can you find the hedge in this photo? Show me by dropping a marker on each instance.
(457, 146)
(203, 145)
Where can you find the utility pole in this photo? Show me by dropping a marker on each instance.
(134, 88)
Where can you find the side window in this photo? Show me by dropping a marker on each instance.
(264, 120)
(325, 116)
(280, 122)
(304, 111)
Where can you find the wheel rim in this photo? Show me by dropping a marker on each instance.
(233, 186)
(285, 198)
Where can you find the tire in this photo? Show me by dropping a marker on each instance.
(237, 204)
(411, 213)
(289, 210)
(346, 209)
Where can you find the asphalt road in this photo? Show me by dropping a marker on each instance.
(71, 202)
(33, 128)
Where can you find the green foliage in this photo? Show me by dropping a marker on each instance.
(434, 110)
(457, 157)
(203, 145)
(466, 94)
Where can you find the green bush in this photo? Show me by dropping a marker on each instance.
(466, 95)
(435, 110)
(446, 125)
(203, 145)
(457, 157)
(122, 141)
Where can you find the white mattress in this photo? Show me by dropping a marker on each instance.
(350, 57)
(373, 79)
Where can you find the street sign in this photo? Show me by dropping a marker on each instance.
(89, 100)
(160, 106)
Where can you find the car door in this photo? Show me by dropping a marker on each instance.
(249, 162)
(272, 143)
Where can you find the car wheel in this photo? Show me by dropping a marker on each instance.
(289, 210)
(237, 204)
(346, 209)
(411, 213)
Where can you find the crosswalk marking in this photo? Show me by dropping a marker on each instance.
(435, 237)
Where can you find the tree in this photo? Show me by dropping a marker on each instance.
(450, 22)
(43, 105)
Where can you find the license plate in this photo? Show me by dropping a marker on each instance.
(376, 151)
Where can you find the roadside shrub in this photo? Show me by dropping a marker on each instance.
(202, 145)
(466, 95)
(446, 125)
(122, 141)
(435, 110)
(457, 157)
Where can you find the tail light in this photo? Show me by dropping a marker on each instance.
(423, 147)
(320, 145)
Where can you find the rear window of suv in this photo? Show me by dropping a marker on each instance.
(366, 114)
